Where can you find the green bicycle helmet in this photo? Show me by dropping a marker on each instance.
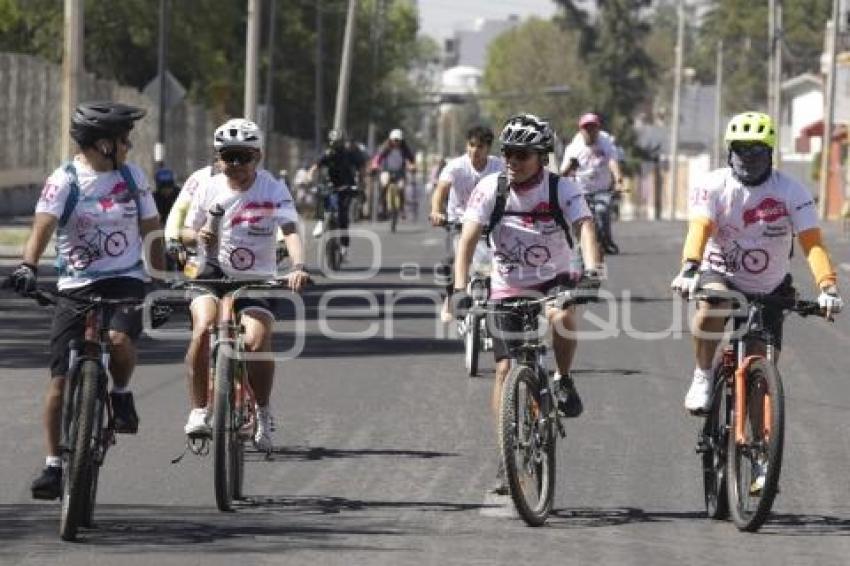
(751, 127)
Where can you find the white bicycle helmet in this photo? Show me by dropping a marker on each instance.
(396, 135)
(238, 132)
(527, 131)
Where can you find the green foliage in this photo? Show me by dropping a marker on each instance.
(524, 61)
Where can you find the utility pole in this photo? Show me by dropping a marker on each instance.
(829, 112)
(72, 70)
(252, 50)
(718, 108)
(162, 66)
(376, 36)
(677, 93)
(268, 125)
(320, 99)
(341, 110)
(771, 58)
(777, 86)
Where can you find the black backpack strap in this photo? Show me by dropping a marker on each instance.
(555, 208)
(499, 207)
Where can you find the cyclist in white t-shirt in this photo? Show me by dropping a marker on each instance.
(253, 205)
(101, 209)
(592, 157)
(456, 182)
(743, 219)
(531, 253)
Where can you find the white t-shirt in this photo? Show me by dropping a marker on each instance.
(463, 177)
(755, 226)
(527, 251)
(247, 231)
(593, 173)
(101, 237)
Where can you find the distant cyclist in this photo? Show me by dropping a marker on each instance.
(345, 165)
(743, 219)
(454, 187)
(253, 204)
(101, 209)
(531, 247)
(166, 191)
(395, 159)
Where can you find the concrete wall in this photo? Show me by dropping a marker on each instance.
(30, 102)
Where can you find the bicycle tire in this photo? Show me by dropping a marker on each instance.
(763, 385)
(97, 442)
(77, 477)
(472, 344)
(518, 424)
(237, 451)
(223, 429)
(715, 437)
(393, 205)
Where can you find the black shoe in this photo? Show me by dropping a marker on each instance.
(125, 419)
(569, 401)
(48, 484)
(612, 249)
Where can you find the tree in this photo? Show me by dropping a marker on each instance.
(619, 68)
(523, 62)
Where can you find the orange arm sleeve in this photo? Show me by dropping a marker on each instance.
(699, 230)
(818, 258)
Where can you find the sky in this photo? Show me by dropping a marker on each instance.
(439, 18)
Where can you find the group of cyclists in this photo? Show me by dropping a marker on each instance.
(533, 222)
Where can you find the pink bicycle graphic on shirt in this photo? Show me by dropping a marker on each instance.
(242, 259)
(734, 259)
(534, 255)
(95, 245)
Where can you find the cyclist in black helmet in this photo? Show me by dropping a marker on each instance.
(101, 208)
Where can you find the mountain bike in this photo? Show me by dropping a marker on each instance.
(528, 417)
(741, 439)
(233, 402)
(395, 183)
(87, 429)
(330, 197)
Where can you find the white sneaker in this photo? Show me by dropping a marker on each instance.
(198, 423)
(759, 475)
(699, 395)
(343, 252)
(318, 229)
(265, 426)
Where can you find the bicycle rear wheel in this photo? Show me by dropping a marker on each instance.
(714, 442)
(77, 489)
(754, 464)
(528, 446)
(472, 343)
(223, 431)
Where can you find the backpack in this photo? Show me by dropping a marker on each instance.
(554, 211)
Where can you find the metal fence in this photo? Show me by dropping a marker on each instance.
(30, 107)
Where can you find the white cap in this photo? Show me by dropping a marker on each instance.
(396, 135)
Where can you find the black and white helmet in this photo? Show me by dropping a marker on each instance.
(238, 132)
(103, 119)
(527, 131)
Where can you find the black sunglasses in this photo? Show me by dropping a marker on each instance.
(237, 156)
(750, 149)
(520, 153)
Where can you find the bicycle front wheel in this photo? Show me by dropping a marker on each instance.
(527, 442)
(77, 489)
(755, 459)
(224, 433)
(714, 442)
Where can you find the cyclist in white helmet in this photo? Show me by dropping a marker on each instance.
(395, 159)
(251, 203)
(531, 249)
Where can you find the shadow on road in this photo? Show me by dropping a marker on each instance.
(587, 517)
(333, 505)
(308, 453)
(786, 524)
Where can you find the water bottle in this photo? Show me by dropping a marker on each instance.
(199, 265)
(576, 266)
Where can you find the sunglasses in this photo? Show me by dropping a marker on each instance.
(237, 157)
(750, 149)
(519, 154)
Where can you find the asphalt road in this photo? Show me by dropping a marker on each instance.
(385, 451)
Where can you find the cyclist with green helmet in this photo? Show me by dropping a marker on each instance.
(743, 219)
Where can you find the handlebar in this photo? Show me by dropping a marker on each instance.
(801, 307)
(587, 291)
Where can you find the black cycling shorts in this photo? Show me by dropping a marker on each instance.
(774, 316)
(68, 325)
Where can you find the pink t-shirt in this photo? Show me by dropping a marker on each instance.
(527, 251)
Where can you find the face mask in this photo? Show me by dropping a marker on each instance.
(751, 168)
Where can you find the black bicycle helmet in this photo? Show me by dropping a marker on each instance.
(96, 120)
(527, 131)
